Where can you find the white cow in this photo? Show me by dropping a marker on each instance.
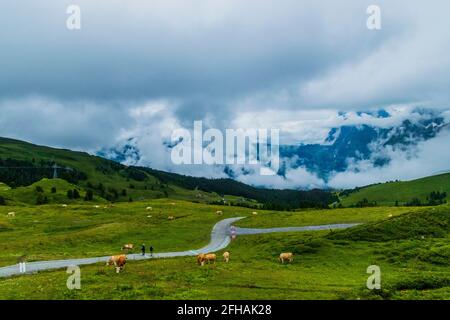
(11, 214)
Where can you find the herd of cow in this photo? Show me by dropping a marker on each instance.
(119, 261)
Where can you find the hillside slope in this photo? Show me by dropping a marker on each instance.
(400, 191)
(22, 164)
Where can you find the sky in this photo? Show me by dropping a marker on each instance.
(142, 69)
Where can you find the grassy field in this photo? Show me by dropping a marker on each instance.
(411, 248)
(386, 194)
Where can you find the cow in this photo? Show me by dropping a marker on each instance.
(64, 205)
(128, 246)
(200, 258)
(226, 256)
(96, 206)
(254, 213)
(219, 213)
(286, 256)
(171, 218)
(118, 262)
(149, 208)
(210, 257)
(11, 214)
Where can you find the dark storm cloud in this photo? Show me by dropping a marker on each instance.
(193, 50)
(143, 68)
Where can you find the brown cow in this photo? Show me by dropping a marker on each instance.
(118, 261)
(210, 257)
(286, 256)
(226, 256)
(200, 258)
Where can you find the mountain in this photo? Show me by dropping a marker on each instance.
(360, 142)
(371, 139)
(22, 164)
(400, 192)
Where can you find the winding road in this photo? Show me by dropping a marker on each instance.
(220, 239)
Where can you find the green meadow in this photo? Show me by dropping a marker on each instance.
(410, 245)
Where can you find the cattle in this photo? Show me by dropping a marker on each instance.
(172, 203)
(390, 216)
(149, 208)
(128, 246)
(11, 214)
(286, 256)
(149, 216)
(202, 258)
(210, 257)
(254, 213)
(118, 262)
(171, 218)
(64, 205)
(226, 256)
(219, 213)
(96, 207)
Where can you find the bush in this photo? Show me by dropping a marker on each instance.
(76, 194)
(2, 201)
(41, 199)
(89, 195)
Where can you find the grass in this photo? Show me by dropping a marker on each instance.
(266, 219)
(386, 194)
(327, 265)
(84, 230)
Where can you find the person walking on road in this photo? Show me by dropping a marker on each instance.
(143, 249)
(151, 251)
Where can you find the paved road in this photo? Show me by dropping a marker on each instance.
(220, 238)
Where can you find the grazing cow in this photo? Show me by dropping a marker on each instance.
(172, 203)
(96, 206)
(200, 259)
(11, 214)
(226, 256)
(210, 257)
(118, 262)
(219, 213)
(286, 256)
(171, 218)
(254, 213)
(390, 216)
(149, 216)
(64, 205)
(128, 246)
(149, 208)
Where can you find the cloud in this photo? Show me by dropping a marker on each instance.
(142, 69)
(428, 158)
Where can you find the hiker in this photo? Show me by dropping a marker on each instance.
(151, 251)
(143, 249)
